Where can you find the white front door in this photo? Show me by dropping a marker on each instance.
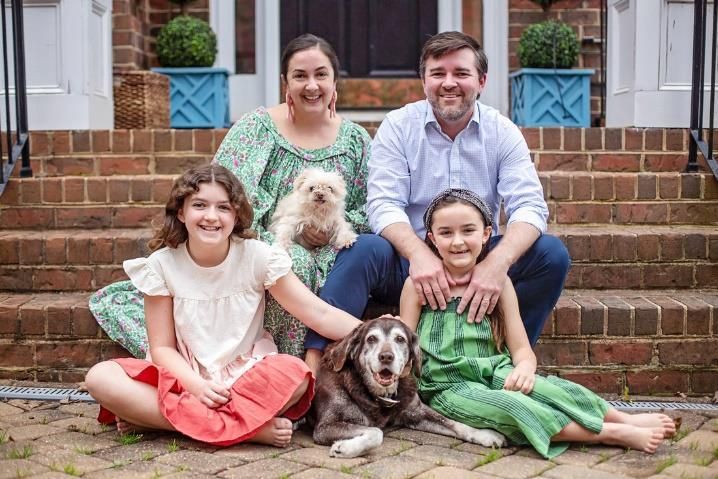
(650, 63)
(68, 64)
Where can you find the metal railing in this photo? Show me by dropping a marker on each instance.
(15, 142)
(696, 141)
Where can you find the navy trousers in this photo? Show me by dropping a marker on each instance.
(372, 267)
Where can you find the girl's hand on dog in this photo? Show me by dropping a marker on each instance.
(314, 237)
(522, 378)
(210, 393)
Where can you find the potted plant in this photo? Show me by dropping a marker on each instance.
(186, 48)
(547, 91)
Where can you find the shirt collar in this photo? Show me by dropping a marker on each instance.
(431, 118)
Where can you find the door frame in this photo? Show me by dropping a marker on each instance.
(247, 91)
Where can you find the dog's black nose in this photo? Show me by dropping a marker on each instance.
(386, 357)
(320, 196)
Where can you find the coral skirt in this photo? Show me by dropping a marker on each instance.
(256, 398)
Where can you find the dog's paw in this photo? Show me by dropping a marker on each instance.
(345, 240)
(345, 448)
(488, 438)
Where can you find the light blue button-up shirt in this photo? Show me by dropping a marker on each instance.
(412, 160)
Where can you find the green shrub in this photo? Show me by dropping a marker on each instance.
(186, 42)
(548, 44)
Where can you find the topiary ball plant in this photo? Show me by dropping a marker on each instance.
(186, 42)
(548, 44)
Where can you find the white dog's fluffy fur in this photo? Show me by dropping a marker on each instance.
(317, 200)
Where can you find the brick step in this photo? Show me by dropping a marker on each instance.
(564, 186)
(107, 164)
(653, 342)
(606, 186)
(586, 244)
(99, 164)
(143, 215)
(603, 256)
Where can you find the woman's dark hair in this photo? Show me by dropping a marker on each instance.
(496, 317)
(174, 232)
(305, 42)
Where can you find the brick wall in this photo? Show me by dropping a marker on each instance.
(135, 25)
(583, 15)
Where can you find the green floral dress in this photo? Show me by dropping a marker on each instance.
(266, 164)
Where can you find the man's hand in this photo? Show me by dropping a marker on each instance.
(429, 278)
(487, 281)
(210, 393)
(522, 378)
(314, 237)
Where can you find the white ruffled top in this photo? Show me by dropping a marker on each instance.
(218, 311)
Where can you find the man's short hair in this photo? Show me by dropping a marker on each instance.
(448, 42)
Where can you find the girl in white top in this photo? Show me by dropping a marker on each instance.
(213, 373)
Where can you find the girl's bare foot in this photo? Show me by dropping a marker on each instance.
(124, 427)
(648, 420)
(277, 432)
(636, 437)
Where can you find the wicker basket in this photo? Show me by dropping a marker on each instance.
(142, 99)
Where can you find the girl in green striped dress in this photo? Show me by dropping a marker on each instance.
(483, 373)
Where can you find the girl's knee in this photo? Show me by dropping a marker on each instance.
(100, 378)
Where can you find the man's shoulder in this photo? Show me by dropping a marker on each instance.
(410, 112)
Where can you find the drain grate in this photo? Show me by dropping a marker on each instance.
(44, 394)
(657, 406)
(55, 394)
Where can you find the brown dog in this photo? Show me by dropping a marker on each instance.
(365, 383)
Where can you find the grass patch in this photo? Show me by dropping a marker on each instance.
(172, 446)
(23, 453)
(604, 456)
(84, 450)
(129, 438)
(71, 470)
(703, 461)
(147, 455)
(626, 396)
(490, 457)
(680, 434)
(667, 462)
(345, 469)
(4, 437)
(68, 469)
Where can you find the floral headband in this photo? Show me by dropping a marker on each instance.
(460, 193)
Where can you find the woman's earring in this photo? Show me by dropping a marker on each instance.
(333, 105)
(290, 107)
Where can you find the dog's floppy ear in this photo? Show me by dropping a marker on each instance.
(299, 180)
(347, 347)
(414, 352)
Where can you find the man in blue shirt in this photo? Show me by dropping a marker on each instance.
(450, 140)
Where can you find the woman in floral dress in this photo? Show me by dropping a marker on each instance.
(267, 149)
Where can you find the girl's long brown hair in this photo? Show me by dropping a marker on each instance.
(174, 232)
(496, 317)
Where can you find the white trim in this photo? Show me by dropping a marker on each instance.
(221, 19)
(269, 55)
(496, 45)
(448, 15)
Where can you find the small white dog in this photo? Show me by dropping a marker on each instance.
(317, 200)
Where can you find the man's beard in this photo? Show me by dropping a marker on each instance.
(451, 113)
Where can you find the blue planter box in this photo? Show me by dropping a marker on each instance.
(551, 97)
(199, 97)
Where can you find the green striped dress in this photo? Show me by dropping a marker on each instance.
(463, 374)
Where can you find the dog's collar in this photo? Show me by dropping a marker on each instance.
(387, 401)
